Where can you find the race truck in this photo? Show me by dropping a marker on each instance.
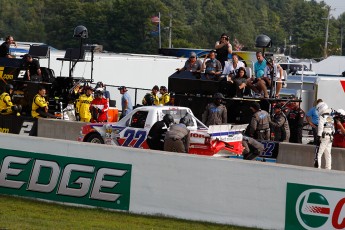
(132, 130)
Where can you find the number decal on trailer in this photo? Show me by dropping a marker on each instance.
(131, 134)
(269, 147)
(26, 128)
(21, 74)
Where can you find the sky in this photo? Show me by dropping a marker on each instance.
(337, 6)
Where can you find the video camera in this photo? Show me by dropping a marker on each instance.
(338, 117)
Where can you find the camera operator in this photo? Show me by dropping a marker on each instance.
(212, 67)
(339, 124)
(223, 48)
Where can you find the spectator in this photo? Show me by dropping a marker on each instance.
(258, 84)
(83, 105)
(240, 81)
(39, 108)
(280, 125)
(154, 94)
(126, 102)
(5, 47)
(325, 133)
(295, 116)
(6, 105)
(275, 72)
(223, 48)
(215, 113)
(155, 137)
(165, 98)
(212, 67)
(230, 68)
(313, 119)
(177, 137)
(259, 126)
(32, 66)
(99, 107)
(192, 64)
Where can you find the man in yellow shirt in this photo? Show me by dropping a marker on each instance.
(83, 105)
(39, 108)
(155, 97)
(6, 105)
(165, 98)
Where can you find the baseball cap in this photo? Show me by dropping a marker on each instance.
(121, 87)
(192, 54)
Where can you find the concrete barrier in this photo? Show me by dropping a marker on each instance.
(303, 155)
(228, 191)
(59, 129)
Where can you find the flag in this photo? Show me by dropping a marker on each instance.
(155, 19)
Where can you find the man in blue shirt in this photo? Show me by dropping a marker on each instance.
(126, 102)
(257, 84)
(313, 119)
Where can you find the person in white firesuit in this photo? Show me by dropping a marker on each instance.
(325, 134)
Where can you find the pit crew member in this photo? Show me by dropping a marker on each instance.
(325, 134)
(155, 137)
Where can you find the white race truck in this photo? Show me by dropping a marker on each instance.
(132, 130)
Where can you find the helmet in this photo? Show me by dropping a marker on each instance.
(99, 85)
(149, 99)
(321, 108)
(168, 119)
(218, 96)
(186, 120)
(98, 92)
(80, 32)
(8, 87)
(263, 41)
(255, 106)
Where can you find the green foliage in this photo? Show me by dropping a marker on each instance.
(125, 25)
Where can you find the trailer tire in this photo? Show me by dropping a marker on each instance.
(95, 138)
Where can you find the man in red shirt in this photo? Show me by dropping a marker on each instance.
(99, 107)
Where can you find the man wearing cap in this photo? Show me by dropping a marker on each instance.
(192, 64)
(32, 66)
(126, 102)
(215, 112)
(82, 108)
(279, 125)
(295, 116)
(212, 67)
(260, 124)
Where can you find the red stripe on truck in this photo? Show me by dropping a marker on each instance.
(343, 84)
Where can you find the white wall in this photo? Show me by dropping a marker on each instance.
(228, 191)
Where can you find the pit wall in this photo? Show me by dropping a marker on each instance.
(303, 155)
(228, 191)
(289, 153)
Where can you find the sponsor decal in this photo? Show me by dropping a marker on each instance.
(4, 130)
(342, 84)
(65, 179)
(314, 208)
